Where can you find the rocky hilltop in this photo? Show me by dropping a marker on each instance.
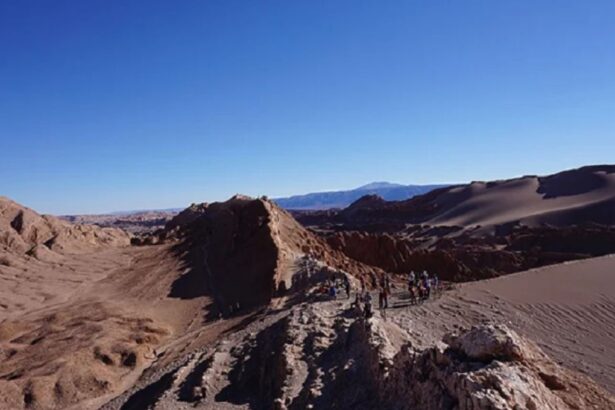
(24, 231)
(246, 250)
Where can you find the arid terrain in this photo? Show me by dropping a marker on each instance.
(482, 229)
(133, 222)
(219, 306)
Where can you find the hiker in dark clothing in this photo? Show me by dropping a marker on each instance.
(435, 283)
(387, 282)
(383, 298)
(367, 311)
(411, 280)
(332, 290)
(347, 286)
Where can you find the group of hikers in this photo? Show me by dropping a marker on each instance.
(333, 285)
(420, 286)
(363, 300)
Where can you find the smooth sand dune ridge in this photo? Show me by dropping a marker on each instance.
(521, 200)
(568, 309)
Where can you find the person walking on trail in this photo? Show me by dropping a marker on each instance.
(435, 283)
(333, 291)
(386, 282)
(411, 279)
(367, 311)
(347, 286)
(357, 301)
(383, 298)
(427, 288)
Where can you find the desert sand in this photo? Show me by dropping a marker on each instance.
(568, 309)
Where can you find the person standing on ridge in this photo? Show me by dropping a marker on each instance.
(367, 311)
(384, 292)
(386, 282)
(347, 285)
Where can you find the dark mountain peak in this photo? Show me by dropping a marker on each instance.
(367, 201)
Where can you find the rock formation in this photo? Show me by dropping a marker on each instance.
(245, 249)
(462, 257)
(22, 230)
(315, 357)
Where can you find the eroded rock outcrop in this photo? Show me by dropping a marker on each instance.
(24, 231)
(244, 252)
(464, 257)
(315, 356)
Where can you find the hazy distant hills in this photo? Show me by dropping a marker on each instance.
(341, 199)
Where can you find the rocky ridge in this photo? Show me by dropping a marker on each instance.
(327, 356)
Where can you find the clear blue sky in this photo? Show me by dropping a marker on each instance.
(117, 104)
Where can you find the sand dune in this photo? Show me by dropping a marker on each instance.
(558, 200)
(579, 196)
(568, 309)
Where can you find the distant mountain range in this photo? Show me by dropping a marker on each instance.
(341, 199)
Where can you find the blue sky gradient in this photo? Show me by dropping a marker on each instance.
(116, 104)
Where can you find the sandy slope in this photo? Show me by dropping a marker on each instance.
(578, 196)
(81, 312)
(105, 315)
(568, 309)
(525, 200)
